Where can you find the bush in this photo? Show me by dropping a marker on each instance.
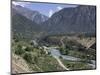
(28, 49)
(68, 46)
(60, 57)
(85, 60)
(19, 50)
(31, 43)
(67, 52)
(16, 40)
(28, 57)
(80, 48)
(64, 51)
(49, 53)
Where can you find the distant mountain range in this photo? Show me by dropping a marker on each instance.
(72, 20)
(80, 19)
(29, 14)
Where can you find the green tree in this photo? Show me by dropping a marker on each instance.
(28, 57)
(19, 50)
(64, 51)
(28, 49)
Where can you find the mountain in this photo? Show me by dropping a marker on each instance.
(29, 14)
(24, 27)
(80, 19)
(72, 20)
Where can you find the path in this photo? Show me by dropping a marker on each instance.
(60, 63)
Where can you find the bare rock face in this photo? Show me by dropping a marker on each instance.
(77, 19)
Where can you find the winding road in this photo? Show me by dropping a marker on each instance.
(61, 64)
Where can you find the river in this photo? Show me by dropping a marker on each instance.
(56, 53)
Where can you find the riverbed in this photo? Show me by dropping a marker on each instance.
(56, 53)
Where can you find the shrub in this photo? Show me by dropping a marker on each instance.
(16, 40)
(68, 46)
(28, 57)
(28, 49)
(19, 50)
(60, 57)
(67, 52)
(85, 60)
(64, 51)
(49, 53)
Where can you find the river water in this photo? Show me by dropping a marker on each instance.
(56, 53)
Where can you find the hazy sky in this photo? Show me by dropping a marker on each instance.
(44, 8)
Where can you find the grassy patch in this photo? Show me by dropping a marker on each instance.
(76, 65)
(49, 63)
(36, 58)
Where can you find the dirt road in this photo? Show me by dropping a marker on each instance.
(60, 63)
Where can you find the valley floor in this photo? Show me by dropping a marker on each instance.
(30, 57)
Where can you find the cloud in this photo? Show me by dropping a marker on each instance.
(59, 8)
(50, 13)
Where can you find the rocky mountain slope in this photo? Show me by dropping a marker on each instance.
(72, 20)
(29, 14)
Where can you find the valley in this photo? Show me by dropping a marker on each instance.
(64, 41)
(73, 55)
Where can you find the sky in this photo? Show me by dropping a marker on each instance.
(44, 8)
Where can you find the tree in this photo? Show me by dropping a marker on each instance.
(49, 53)
(60, 57)
(67, 52)
(28, 57)
(35, 59)
(19, 50)
(68, 46)
(28, 49)
(16, 40)
(64, 51)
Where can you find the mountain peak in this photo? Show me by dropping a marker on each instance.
(29, 14)
(77, 19)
